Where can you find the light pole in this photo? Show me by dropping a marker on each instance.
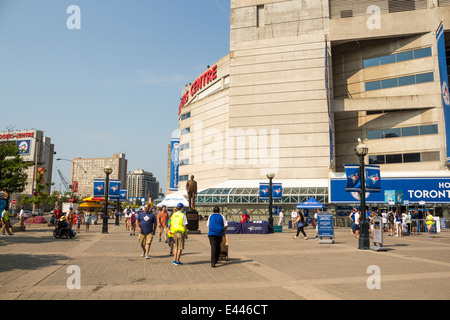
(364, 243)
(270, 176)
(108, 170)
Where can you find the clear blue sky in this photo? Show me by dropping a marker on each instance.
(114, 85)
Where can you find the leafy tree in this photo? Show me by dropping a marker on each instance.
(13, 175)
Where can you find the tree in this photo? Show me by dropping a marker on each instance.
(13, 175)
(40, 196)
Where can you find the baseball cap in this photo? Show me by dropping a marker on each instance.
(179, 206)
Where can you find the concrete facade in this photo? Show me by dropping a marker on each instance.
(274, 115)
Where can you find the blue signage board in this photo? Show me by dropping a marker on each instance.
(325, 225)
(443, 75)
(123, 195)
(114, 189)
(277, 191)
(24, 147)
(372, 178)
(414, 190)
(99, 188)
(174, 164)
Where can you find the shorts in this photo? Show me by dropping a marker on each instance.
(145, 239)
(179, 240)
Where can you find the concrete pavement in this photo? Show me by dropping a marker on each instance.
(34, 265)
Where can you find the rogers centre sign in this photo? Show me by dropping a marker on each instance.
(201, 82)
(18, 135)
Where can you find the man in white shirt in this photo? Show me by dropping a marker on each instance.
(294, 216)
(280, 217)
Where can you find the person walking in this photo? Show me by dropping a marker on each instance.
(87, 220)
(6, 223)
(163, 217)
(280, 217)
(146, 223)
(430, 222)
(69, 217)
(57, 214)
(170, 240)
(217, 226)
(127, 215)
(300, 223)
(78, 221)
(132, 223)
(294, 216)
(391, 222)
(180, 233)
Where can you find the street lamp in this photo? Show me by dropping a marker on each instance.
(270, 175)
(108, 170)
(364, 243)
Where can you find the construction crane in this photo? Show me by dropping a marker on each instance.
(64, 180)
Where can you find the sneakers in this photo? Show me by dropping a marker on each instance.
(147, 257)
(177, 263)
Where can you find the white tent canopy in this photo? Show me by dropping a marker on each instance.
(172, 200)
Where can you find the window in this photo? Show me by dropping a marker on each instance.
(185, 116)
(260, 16)
(377, 160)
(410, 131)
(346, 13)
(411, 157)
(398, 57)
(185, 131)
(405, 56)
(394, 158)
(401, 5)
(402, 132)
(431, 129)
(392, 133)
(402, 81)
(375, 134)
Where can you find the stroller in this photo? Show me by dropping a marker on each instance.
(63, 231)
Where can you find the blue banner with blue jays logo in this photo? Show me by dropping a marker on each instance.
(444, 84)
(114, 189)
(174, 164)
(277, 191)
(372, 178)
(123, 195)
(353, 177)
(99, 188)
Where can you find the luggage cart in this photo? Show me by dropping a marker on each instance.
(224, 248)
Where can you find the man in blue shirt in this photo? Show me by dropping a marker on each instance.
(146, 223)
(217, 226)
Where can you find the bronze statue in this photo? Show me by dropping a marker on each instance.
(191, 188)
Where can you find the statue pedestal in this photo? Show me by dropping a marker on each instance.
(192, 218)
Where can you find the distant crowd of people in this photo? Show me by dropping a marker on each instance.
(396, 223)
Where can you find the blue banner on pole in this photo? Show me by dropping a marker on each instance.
(277, 191)
(353, 177)
(440, 37)
(372, 178)
(114, 189)
(99, 188)
(123, 195)
(174, 164)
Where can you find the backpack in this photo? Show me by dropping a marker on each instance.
(133, 218)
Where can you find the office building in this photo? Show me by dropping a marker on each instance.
(142, 184)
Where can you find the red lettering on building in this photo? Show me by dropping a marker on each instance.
(198, 84)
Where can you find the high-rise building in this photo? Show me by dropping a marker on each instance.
(84, 171)
(302, 82)
(142, 184)
(36, 148)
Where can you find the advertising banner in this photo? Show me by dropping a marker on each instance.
(440, 38)
(415, 190)
(123, 195)
(325, 225)
(99, 187)
(277, 191)
(114, 189)
(372, 178)
(174, 164)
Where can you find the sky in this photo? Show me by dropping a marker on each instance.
(112, 84)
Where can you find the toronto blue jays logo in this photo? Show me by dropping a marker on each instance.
(266, 190)
(114, 188)
(445, 93)
(354, 177)
(99, 187)
(277, 191)
(374, 178)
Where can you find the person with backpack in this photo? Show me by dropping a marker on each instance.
(132, 222)
(391, 223)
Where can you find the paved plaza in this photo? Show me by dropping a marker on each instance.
(35, 265)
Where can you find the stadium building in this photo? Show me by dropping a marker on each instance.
(302, 82)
